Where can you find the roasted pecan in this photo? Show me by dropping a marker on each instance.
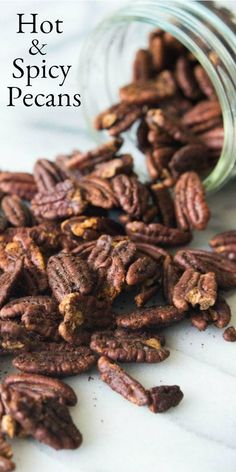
(147, 290)
(122, 164)
(171, 275)
(155, 233)
(39, 386)
(16, 212)
(85, 228)
(99, 192)
(47, 236)
(213, 139)
(56, 363)
(8, 282)
(195, 289)
(190, 204)
(67, 274)
(204, 82)
(157, 49)
(142, 133)
(186, 79)
(22, 247)
(121, 382)
(203, 116)
(224, 244)
(80, 310)
(201, 319)
(62, 201)
(129, 348)
(40, 322)
(118, 118)
(151, 91)
(14, 338)
(159, 316)
(156, 161)
(155, 252)
(142, 66)
(158, 118)
(87, 160)
(6, 465)
(164, 397)
(165, 204)
(141, 270)
(192, 157)
(18, 183)
(230, 334)
(107, 247)
(47, 174)
(204, 261)
(132, 195)
(46, 420)
(17, 307)
(219, 314)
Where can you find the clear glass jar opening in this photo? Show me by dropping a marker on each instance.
(106, 61)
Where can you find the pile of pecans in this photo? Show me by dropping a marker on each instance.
(65, 258)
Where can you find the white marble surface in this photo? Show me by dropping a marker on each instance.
(199, 435)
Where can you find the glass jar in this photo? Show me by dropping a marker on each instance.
(206, 30)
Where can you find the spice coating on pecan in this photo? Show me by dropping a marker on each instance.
(157, 234)
(152, 316)
(195, 289)
(16, 212)
(18, 183)
(132, 195)
(121, 382)
(230, 334)
(224, 244)
(8, 281)
(47, 174)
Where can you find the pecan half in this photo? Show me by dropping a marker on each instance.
(40, 322)
(18, 183)
(230, 334)
(118, 118)
(203, 116)
(204, 82)
(129, 348)
(85, 228)
(121, 382)
(122, 164)
(164, 397)
(158, 118)
(99, 192)
(17, 307)
(157, 49)
(224, 244)
(132, 195)
(192, 157)
(47, 174)
(56, 363)
(159, 316)
(87, 160)
(190, 204)
(204, 261)
(155, 233)
(141, 270)
(46, 420)
(142, 66)
(69, 273)
(186, 79)
(8, 282)
(149, 92)
(63, 201)
(16, 212)
(40, 387)
(195, 289)
(165, 204)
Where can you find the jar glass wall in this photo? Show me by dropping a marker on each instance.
(107, 56)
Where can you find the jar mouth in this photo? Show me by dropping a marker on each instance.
(187, 22)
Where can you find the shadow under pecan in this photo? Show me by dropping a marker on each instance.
(164, 397)
(142, 66)
(230, 334)
(204, 261)
(62, 201)
(73, 361)
(40, 387)
(16, 212)
(121, 382)
(151, 91)
(8, 282)
(129, 348)
(155, 233)
(89, 228)
(18, 183)
(122, 164)
(87, 160)
(98, 192)
(224, 244)
(69, 273)
(46, 420)
(190, 204)
(194, 289)
(118, 118)
(159, 316)
(47, 174)
(132, 195)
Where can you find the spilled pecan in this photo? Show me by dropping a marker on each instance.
(155, 233)
(230, 334)
(195, 289)
(118, 118)
(18, 183)
(47, 174)
(149, 92)
(16, 212)
(85, 228)
(87, 160)
(132, 195)
(99, 192)
(164, 397)
(159, 316)
(224, 244)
